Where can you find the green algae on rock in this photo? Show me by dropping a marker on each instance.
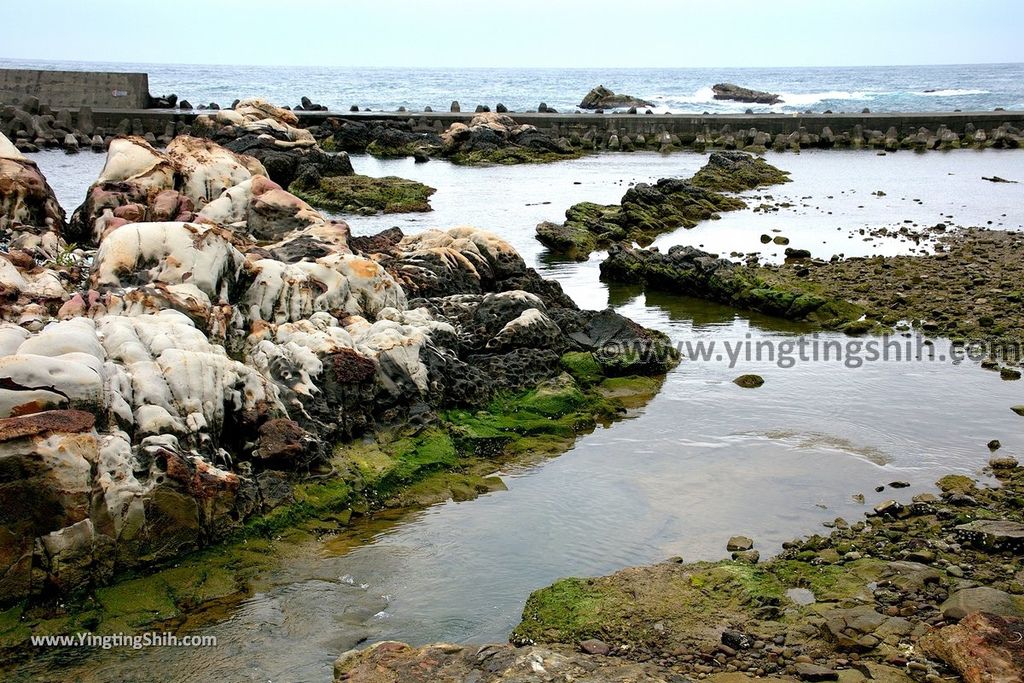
(690, 271)
(365, 194)
(736, 172)
(508, 156)
(940, 293)
(452, 457)
(647, 211)
(868, 591)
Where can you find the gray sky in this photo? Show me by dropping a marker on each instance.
(566, 33)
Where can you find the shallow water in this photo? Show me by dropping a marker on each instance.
(703, 461)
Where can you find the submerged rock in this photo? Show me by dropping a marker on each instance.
(748, 382)
(729, 91)
(871, 618)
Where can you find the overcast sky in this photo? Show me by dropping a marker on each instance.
(554, 33)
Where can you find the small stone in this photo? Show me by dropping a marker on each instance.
(595, 647)
(889, 507)
(748, 556)
(813, 672)
(739, 543)
(994, 445)
(736, 640)
(749, 381)
(1018, 409)
(921, 556)
(1004, 462)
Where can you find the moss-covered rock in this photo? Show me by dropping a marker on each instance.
(647, 211)
(582, 366)
(363, 194)
(736, 172)
(690, 271)
(511, 155)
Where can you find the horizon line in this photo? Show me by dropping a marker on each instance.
(478, 67)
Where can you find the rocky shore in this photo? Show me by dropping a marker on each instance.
(926, 588)
(647, 211)
(968, 289)
(181, 359)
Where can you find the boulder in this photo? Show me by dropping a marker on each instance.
(26, 198)
(993, 535)
(981, 599)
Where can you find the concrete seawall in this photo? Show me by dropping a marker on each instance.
(686, 126)
(72, 89)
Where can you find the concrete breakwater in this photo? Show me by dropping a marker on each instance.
(107, 89)
(610, 131)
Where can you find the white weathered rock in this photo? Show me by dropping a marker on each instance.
(176, 254)
(208, 169)
(132, 159)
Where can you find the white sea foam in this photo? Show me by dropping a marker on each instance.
(952, 92)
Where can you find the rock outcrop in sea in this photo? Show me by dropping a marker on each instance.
(603, 98)
(167, 381)
(737, 93)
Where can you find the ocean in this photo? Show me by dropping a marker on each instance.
(968, 87)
